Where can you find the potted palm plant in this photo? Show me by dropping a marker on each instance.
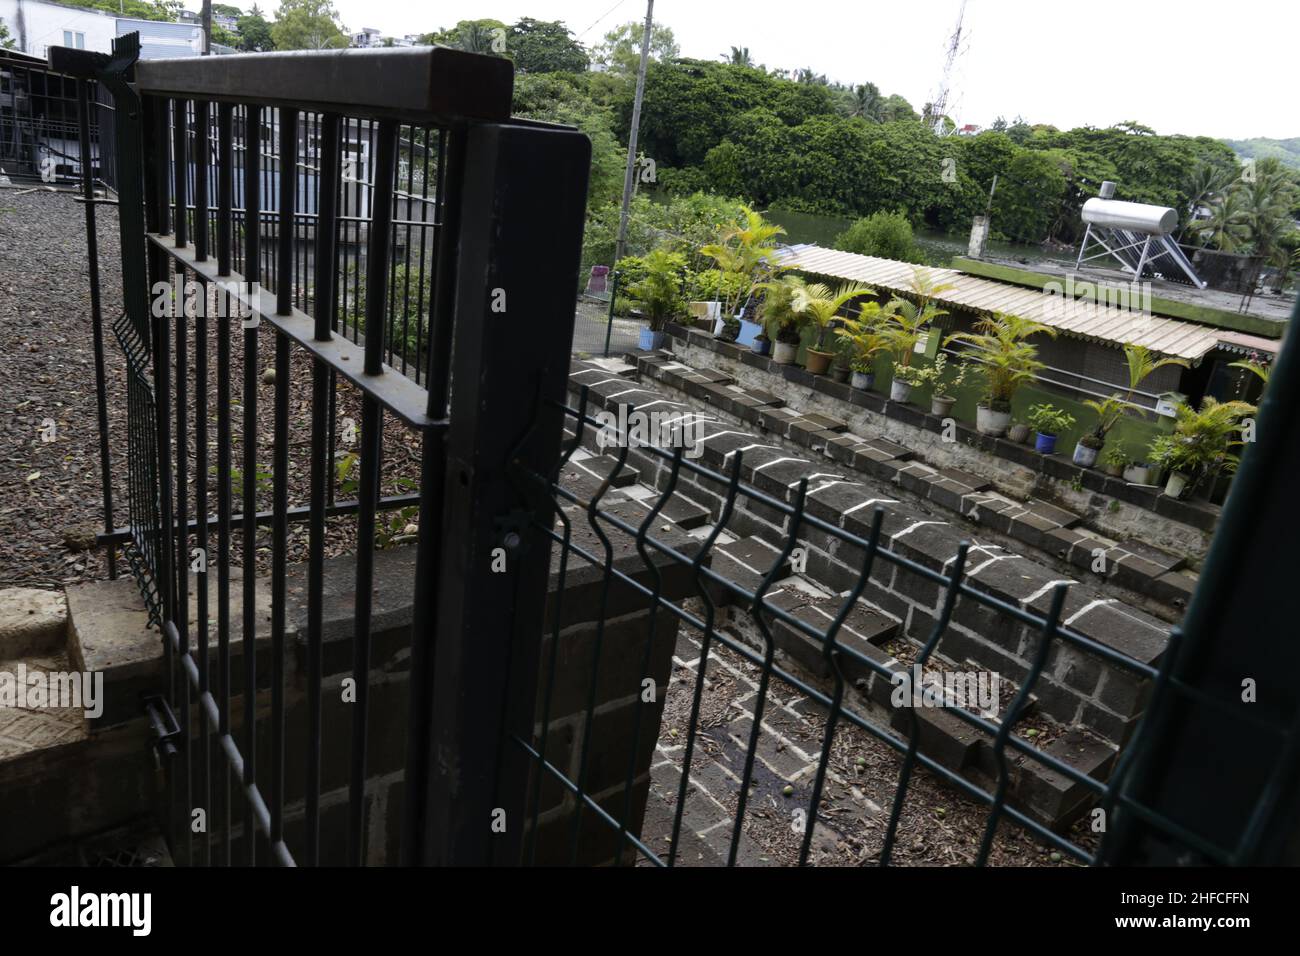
(747, 252)
(1049, 421)
(781, 321)
(863, 341)
(1007, 361)
(1141, 364)
(906, 323)
(818, 304)
(659, 293)
(1202, 443)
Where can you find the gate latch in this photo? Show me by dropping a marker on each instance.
(165, 728)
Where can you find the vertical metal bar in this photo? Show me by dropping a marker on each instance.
(442, 298)
(225, 187)
(377, 253)
(156, 168)
(202, 157)
(326, 263)
(201, 512)
(535, 181)
(288, 187)
(609, 317)
(96, 314)
(248, 539)
(225, 244)
(181, 524)
(180, 169)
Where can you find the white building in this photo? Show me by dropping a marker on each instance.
(37, 25)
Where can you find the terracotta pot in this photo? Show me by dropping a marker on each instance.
(817, 362)
(989, 422)
(840, 373)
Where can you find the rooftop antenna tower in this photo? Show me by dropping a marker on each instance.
(940, 105)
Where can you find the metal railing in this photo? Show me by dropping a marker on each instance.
(1198, 833)
(41, 110)
(278, 188)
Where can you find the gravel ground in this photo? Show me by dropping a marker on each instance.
(938, 825)
(51, 506)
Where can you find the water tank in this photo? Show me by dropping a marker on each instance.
(1133, 216)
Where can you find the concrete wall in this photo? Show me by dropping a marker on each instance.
(61, 794)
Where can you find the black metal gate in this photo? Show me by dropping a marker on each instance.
(270, 191)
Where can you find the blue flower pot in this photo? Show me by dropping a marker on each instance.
(1045, 444)
(650, 341)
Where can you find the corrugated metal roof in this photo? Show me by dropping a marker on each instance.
(1097, 321)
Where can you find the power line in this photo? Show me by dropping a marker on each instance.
(600, 18)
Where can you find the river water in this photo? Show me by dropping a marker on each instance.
(938, 247)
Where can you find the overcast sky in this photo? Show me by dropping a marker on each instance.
(1065, 63)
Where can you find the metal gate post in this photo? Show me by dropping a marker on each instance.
(1216, 774)
(524, 191)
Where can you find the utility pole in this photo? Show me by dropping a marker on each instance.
(628, 175)
(207, 27)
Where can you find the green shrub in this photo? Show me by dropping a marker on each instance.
(887, 235)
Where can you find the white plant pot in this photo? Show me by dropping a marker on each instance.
(1084, 456)
(989, 422)
(1138, 474)
(783, 353)
(1176, 484)
(899, 391)
(861, 380)
(941, 405)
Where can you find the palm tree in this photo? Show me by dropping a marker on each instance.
(1227, 225)
(1204, 186)
(867, 102)
(740, 56)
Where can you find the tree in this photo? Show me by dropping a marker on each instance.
(254, 32)
(621, 50)
(163, 10)
(307, 25)
(226, 10)
(545, 46)
(867, 102)
(6, 41)
(739, 56)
